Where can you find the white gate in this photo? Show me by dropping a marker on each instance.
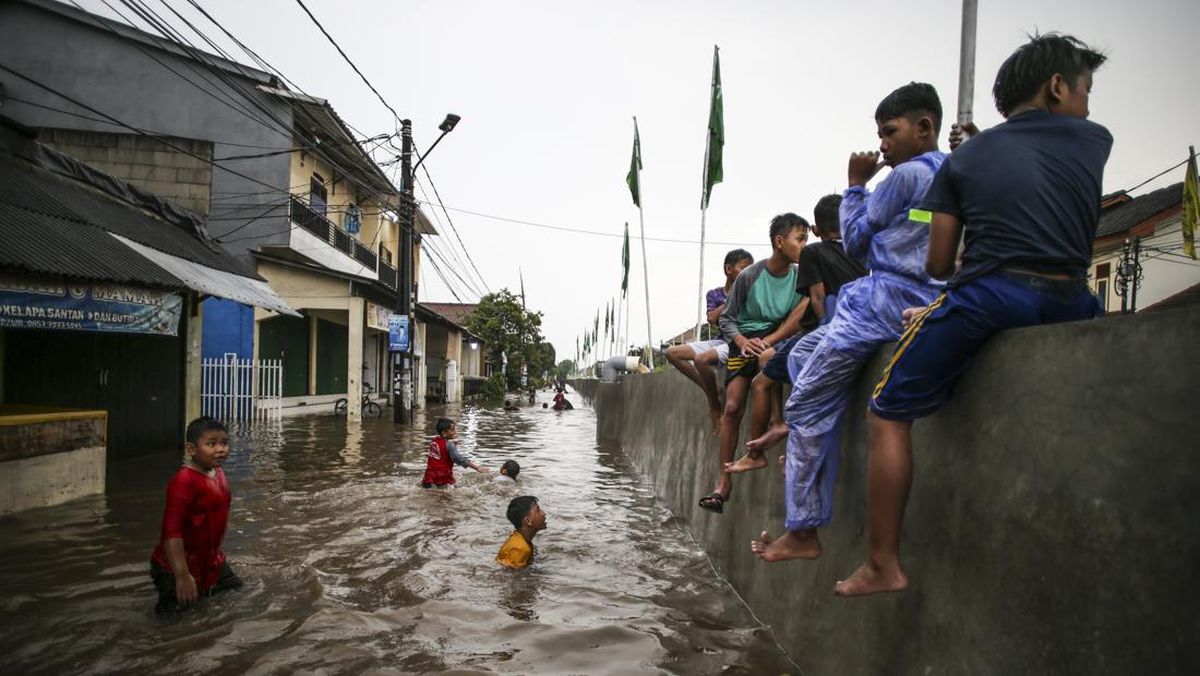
(233, 389)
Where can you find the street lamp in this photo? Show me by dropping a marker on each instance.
(446, 126)
(403, 386)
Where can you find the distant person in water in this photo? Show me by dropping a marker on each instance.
(508, 472)
(561, 403)
(443, 456)
(188, 561)
(528, 519)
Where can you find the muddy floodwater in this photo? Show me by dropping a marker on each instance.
(351, 568)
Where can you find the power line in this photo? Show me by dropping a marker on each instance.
(347, 58)
(582, 231)
(454, 229)
(450, 245)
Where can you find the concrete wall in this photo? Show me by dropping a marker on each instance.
(47, 458)
(145, 162)
(1051, 527)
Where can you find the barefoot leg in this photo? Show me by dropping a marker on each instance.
(708, 382)
(762, 391)
(889, 477)
(775, 434)
(731, 420)
(793, 544)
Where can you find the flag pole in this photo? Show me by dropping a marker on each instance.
(966, 62)
(646, 282)
(704, 188)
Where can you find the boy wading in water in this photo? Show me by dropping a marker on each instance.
(528, 519)
(443, 456)
(761, 298)
(696, 359)
(1028, 193)
(878, 226)
(188, 561)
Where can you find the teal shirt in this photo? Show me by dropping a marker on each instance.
(759, 301)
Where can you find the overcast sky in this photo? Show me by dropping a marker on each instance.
(547, 92)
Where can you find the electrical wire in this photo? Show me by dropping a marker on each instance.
(454, 229)
(347, 58)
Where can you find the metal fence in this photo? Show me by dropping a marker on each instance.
(239, 390)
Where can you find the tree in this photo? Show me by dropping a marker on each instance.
(565, 368)
(508, 330)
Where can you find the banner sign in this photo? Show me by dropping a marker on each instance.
(30, 304)
(377, 316)
(398, 333)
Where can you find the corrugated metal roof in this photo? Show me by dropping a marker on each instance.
(42, 243)
(38, 190)
(53, 225)
(215, 282)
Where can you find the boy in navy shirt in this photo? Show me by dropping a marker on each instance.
(1028, 193)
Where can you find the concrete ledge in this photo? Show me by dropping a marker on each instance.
(48, 480)
(1051, 527)
(28, 431)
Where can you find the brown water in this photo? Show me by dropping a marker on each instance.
(351, 568)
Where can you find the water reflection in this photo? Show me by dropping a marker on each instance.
(351, 567)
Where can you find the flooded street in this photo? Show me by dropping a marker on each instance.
(351, 568)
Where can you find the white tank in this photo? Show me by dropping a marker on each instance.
(453, 393)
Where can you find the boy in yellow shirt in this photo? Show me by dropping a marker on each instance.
(527, 518)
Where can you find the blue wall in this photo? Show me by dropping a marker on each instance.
(228, 327)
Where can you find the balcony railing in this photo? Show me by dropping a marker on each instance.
(304, 216)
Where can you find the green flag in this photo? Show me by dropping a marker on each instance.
(635, 165)
(625, 263)
(713, 172)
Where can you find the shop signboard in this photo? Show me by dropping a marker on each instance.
(62, 305)
(377, 316)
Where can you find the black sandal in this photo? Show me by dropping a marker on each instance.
(713, 502)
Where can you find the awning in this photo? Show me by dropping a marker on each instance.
(212, 281)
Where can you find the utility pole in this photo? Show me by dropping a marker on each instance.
(1129, 274)
(402, 361)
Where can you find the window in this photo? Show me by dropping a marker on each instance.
(1103, 272)
(318, 196)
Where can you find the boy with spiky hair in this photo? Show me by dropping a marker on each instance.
(1028, 193)
(879, 227)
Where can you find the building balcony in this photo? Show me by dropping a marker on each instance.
(319, 239)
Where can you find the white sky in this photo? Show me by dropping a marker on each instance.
(547, 90)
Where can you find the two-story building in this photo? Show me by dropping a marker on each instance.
(283, 183)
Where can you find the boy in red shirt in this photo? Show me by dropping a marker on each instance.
(188, 561)
(443, 456)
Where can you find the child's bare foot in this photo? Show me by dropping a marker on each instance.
(714, 416)
(794, 544)
(747, 462)
(872, 579)
(773, 435)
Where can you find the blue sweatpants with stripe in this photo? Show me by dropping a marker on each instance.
(939, 345)
(823, 365)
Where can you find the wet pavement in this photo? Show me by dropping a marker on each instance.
(351, 568)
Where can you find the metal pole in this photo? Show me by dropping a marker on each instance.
(966, 62)
(402, 409)
(1136, 266)
(645, 277)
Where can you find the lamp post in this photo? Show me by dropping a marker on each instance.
(402, 361)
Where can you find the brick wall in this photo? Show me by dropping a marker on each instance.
(144, 162)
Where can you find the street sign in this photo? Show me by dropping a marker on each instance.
(398, 333)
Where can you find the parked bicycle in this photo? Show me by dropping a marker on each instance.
(370, 409)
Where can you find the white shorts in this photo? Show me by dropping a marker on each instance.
(701, 346)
